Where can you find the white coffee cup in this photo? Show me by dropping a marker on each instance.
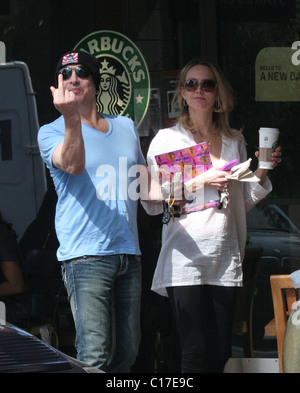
(268, 141)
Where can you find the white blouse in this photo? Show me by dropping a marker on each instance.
(207, 246)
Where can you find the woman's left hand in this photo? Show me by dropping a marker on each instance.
(275, 158)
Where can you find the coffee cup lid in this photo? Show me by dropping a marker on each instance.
(269, 129)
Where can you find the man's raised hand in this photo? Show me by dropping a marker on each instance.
(63, 99)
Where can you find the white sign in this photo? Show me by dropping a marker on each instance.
(2, 314)
(2, 52)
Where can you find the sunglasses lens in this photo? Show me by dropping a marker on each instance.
(82, 72)
(208, 85)
(191, 85)
(66, 73)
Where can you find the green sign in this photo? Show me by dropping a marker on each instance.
(277, 75)
(125, 83)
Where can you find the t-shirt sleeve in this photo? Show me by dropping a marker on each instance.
(49, 137)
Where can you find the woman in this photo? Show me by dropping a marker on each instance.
(200, 263)
(12, 284)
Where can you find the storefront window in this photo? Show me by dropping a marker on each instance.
(241, 40)
(245, 30)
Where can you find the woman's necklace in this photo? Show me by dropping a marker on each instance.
(199, 138)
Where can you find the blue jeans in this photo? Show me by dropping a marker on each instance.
(104, 294)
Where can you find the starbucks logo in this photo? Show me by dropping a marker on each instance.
(125, 84)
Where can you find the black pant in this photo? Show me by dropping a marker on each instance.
(204, 317)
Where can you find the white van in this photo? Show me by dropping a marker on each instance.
(22, 172)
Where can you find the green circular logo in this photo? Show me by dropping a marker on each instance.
(125, 83)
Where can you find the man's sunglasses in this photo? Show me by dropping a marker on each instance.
(208, 85)
(80, 71)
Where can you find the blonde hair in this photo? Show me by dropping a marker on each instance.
(221, 112)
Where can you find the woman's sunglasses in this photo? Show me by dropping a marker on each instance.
(207, 85)
(80, 71)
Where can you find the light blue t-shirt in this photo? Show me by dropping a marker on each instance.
(94, 213)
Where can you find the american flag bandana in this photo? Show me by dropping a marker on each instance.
(70, 58)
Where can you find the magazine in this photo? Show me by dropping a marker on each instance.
(241, 172)
(176, 167)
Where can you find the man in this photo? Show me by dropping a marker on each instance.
(89, 156)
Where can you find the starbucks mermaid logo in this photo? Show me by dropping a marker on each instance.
(114, 89)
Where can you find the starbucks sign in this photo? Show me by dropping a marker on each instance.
(125, 84)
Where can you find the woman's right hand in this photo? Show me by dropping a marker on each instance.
(216, 178)
(213, 177)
